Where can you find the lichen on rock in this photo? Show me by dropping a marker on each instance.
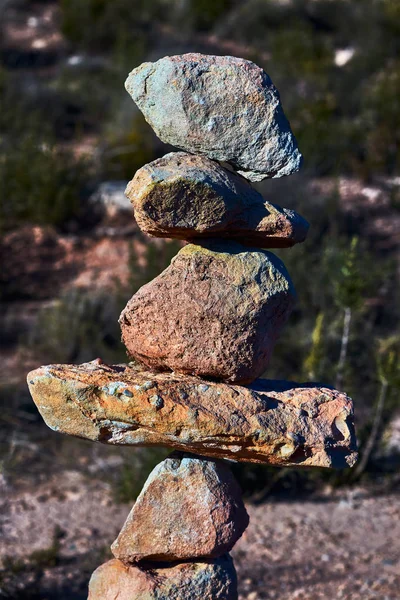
(274, 422)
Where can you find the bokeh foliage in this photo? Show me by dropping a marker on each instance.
(345, 113)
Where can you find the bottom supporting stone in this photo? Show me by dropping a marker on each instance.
(206, 580)
(190, 508)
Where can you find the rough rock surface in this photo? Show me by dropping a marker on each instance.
(207, 580)
(189, 507)
(222, 107)
(189, 196)
(275, 422)
(216, 311)
(341, 543)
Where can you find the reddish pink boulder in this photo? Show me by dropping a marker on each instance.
(279, 423)
(216, 312)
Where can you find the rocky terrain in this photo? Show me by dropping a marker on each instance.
(338, 546)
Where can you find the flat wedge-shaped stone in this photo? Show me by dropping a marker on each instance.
(206, 580)
(222, 107)
(188, 196)
(274, 422)
(189, 507)
(216, 311)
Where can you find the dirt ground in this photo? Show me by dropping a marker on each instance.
(343, 545)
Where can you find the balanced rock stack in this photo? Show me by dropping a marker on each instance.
(201, 334)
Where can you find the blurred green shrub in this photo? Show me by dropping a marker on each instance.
(382, 109)
(316, 356)
(120, 25)
(40, 182)
(129, 29)
(201, 15)
(78, 327)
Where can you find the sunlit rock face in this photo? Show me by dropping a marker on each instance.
(222, 107)
(191, 197)
(193, 508)
(203, 580)
(216, 312)
(274, 422)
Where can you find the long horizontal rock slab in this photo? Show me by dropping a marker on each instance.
(274, 422)
(187, 196)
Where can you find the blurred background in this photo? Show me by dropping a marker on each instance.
(71, 256)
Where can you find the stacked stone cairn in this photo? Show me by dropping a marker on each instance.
(201, 334)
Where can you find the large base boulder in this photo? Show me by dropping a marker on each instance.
(206, 580)
(216, 312)
(189, 507)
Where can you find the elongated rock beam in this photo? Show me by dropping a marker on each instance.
(203, 580)
(274, 422)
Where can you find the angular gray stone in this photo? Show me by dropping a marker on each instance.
(205, 580)
(222, 107)
(189, 507)
(188, 196)
(216, 312)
